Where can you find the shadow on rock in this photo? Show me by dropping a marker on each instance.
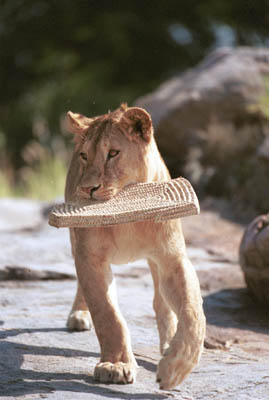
(15, 332)
(146, 364)
(17, 381)
(234, 308)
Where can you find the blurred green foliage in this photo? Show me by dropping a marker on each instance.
(89, 56)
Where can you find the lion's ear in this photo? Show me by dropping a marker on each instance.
(137, 124)
(77, 124)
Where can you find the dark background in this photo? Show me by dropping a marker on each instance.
(89, 56)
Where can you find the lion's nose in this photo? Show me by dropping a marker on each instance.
(90, 189)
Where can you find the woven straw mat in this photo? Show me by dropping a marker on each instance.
(157, 201)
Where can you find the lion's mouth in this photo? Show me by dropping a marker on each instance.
(100, 194)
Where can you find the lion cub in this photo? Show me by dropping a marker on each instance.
(112, 151)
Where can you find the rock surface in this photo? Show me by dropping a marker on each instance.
(212, 125)
(39, 358)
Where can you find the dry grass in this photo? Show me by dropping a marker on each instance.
(45, 166)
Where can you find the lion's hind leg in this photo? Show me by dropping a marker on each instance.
(79, 318)
(166, 319)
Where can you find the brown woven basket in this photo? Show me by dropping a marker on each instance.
(157, 201)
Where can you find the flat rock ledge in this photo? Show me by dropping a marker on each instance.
(41, 359)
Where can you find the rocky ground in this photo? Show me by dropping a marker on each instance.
(39, 358)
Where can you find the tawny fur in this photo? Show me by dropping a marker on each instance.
(112, 151)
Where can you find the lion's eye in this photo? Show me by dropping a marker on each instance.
(112, 153)
(83, 156)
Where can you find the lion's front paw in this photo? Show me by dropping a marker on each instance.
(170, 373)
(172, 370)
(119, 372)
(79, 321)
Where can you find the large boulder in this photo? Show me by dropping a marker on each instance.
(254, 257)
(212, 125)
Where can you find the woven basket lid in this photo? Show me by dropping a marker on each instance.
(157, 201)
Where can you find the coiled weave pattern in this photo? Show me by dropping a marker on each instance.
(157, 201)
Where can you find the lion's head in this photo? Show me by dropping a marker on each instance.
(113, 150)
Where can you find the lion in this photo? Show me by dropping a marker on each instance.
(112, 151)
